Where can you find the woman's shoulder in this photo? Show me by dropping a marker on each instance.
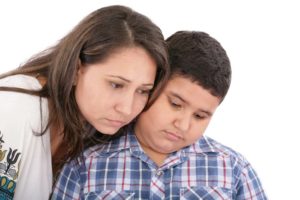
(21, 81)
(14, 100)
(20, 108)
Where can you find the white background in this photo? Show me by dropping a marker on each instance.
(259, 117)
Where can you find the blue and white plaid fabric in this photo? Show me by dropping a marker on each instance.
(121, 170)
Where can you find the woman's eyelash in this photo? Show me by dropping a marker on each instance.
(145, 92)
(116, 85)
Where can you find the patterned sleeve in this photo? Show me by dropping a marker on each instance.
(249, 185)
(68, 185)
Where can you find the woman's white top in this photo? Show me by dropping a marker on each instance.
(25, 157)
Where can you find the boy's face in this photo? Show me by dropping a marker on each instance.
(177, 119)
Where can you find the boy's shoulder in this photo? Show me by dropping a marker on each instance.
(209, 146)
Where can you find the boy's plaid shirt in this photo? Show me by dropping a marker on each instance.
(120, 170)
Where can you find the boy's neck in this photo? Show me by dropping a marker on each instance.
(155, 156)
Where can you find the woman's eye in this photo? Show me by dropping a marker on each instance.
(144, 92)
(116, 85)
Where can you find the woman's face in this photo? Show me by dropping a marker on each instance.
(112, 93)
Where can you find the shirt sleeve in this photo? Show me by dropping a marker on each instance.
(68, 185)
(249, 185)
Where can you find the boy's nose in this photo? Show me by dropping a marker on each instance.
(182, 122)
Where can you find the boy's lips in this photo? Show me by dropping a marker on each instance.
(173, 136)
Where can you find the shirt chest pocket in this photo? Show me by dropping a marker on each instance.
(108, 195)
(205, 193)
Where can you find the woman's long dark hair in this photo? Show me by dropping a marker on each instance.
(91, 41)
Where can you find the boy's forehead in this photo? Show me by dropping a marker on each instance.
(181, 86)
(181, 82)
(191, 92)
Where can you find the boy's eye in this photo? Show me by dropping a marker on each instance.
(199, 116)
(175, 104)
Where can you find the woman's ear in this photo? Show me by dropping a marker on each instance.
(79, 69)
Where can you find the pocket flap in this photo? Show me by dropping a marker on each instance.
(109, 194)
(205, 192)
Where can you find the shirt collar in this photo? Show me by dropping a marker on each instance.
(129, 141)
(206, 145)
(126, 141)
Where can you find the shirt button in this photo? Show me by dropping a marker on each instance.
(158, 173)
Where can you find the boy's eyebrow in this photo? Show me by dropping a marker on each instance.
(183, 100)
(128, 81)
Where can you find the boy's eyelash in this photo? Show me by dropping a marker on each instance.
(176, 105)
(179, 106)
(199, 116)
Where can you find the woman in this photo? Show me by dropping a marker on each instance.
(99, 75)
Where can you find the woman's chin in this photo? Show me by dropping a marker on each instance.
(107, 130)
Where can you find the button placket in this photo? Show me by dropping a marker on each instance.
(159, 172)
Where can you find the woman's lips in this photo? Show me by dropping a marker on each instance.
(115, 123)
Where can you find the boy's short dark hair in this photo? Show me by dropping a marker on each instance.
(201, 58)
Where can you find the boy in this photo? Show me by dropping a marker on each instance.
(164, 155)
